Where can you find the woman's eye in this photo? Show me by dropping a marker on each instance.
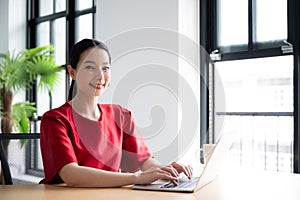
(105, 69)
(89, 67)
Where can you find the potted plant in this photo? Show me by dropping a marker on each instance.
(21, 71)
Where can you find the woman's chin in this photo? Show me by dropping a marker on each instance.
(99, 92)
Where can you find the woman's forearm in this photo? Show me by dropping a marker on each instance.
(80, 176)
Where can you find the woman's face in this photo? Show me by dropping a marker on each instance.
(93, 72)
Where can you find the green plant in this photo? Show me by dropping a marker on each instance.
(19, 72)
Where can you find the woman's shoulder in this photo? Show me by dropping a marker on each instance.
(63, 110)
(114, 108)
(116, 112)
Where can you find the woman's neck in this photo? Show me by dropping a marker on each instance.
(86, 107)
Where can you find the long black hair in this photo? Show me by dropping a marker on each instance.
(75, 54)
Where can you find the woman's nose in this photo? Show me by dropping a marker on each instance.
(99, 74)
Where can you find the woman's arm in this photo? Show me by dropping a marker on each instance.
(79, 176)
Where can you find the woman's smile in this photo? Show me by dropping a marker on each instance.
(97, 86)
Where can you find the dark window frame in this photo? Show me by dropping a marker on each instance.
(33, 19)
(209, 41)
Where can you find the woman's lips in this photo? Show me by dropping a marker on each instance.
(97, 86)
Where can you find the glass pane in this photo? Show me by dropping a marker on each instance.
(45, 7)
(83, 4)
(257, 85)
(58, 96)
(43, 34)
(262, 142)
(84, 26)
(59, 92)
(60, 41)
(271, 20)
(43, 102)
(17, 161)
(43, 38)
(39, 158)
(60, 59)
(233, 23)
(60, 5)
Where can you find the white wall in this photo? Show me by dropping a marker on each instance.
(115, 16)
(13, 31)
(13, 25)
(17, 25)
(17, 34)
(144, 38)
(4, 26)
(189, 81)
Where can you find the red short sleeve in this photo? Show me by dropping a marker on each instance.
(56, 146)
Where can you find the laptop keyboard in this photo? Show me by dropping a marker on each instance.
(184, 182)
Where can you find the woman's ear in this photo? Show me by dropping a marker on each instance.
(71, 72)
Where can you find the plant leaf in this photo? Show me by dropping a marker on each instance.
(20, 114)
(13, 72)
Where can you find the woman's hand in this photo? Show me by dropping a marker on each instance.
(155, 173)
(186, 169)
(153, 170)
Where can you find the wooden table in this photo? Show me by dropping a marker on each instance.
(235, 185)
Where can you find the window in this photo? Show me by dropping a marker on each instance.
(255, 55)
(259, 106)
(61, 23)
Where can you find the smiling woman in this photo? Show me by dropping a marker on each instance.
(93, 74)
(87, 144)
(95, 64)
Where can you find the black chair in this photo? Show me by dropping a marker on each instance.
(4, 163)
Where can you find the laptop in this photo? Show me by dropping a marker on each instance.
(208, 174)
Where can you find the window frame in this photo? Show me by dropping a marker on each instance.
(209, 41)
(33, 20)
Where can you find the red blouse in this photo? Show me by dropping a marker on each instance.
(111, 144)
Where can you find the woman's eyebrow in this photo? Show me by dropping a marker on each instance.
(90, 61)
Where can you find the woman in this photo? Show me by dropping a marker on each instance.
(86, 144)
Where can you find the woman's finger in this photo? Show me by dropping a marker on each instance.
(187, 170)
(171, 170)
